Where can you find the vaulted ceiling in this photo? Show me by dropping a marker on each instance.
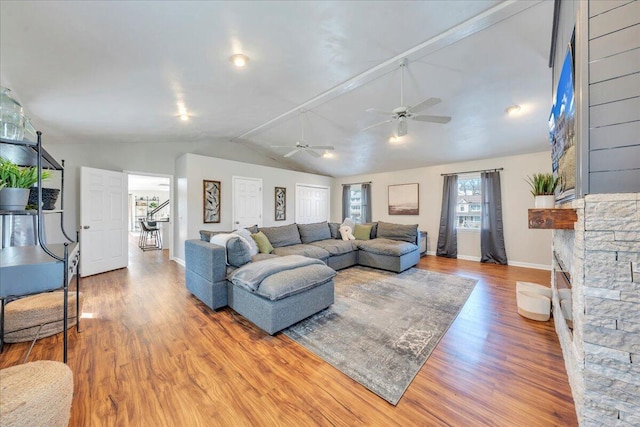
(106, 72)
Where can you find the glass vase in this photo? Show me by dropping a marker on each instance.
(11, 116)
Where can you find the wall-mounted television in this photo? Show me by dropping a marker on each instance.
(562, 131)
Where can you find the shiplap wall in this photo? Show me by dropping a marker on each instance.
(614, 96)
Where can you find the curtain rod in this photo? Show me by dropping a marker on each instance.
(354, 183)
(481, 170)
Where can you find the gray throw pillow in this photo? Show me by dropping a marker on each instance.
(402, 232)
(238, 252)
(333, 228)
(314, 232)
(285, 235)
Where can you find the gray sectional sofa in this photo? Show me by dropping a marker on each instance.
(299, 291)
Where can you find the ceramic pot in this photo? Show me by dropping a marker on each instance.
(13, 199)
(545, 202)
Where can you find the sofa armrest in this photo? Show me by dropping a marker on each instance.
(206, 259)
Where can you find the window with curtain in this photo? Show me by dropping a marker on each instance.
(469, 203)
(356, 201)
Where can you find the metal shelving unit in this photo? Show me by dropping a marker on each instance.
(29, 270)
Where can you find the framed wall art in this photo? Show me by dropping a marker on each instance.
(211, 201)
(403, 199)
(281, 204)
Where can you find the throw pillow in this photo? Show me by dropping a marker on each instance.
(333, 228)
(362, 232)
(238, 251)
(264, 246)
(246, 234)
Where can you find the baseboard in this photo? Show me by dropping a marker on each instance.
(530, 265)
(512, 263)
(179, 261)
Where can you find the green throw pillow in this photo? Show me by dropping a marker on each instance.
(264, 246)
(362, 232)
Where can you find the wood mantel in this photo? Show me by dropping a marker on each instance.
(557, 219)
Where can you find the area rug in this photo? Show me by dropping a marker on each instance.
(383, 326)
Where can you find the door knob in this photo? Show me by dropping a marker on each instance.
(86, 227)
(237, 222)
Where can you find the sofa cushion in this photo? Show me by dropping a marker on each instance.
(264, 245)
(238, 251)
(262, 257)
(285, 235)
(334, 229)
(383, 246)
(374, 229)
(314, 232)
(246, 235)
(405, 233)
(336, 247)
(362, 232)
(291, 282)
(309, 251)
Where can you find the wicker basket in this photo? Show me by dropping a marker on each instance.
(49, 198)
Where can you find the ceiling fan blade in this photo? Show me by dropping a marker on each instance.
(313, 153)
(322, 147)
(425, 104)
(432, 119)
(291, 153)
(378, 124)
(402, 127)
(281, 146)
(378, 111)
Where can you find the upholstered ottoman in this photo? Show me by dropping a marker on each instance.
(284, 297)
(24, 316)
(36, 394)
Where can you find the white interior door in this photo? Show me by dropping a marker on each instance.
(247, 202)
(312, 204)
(103, 220)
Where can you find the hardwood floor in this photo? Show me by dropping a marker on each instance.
(150, 354)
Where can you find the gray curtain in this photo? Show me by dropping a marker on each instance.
(491, 234)
(366, 202)
(448, 234)
(346, 201)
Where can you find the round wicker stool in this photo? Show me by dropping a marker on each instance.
(23, 317)
(36, 394)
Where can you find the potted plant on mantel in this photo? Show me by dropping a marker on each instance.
(15, 182)
(543, 187)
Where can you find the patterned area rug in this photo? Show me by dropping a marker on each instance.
(383, 326)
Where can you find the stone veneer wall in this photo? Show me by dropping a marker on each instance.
(602, 356)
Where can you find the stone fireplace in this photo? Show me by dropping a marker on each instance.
(602, 352)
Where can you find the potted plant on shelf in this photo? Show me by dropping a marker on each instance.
(15, 182)
(543, 187)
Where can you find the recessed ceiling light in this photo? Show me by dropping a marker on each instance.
(184, 117)
(239, 60)
(514, 109)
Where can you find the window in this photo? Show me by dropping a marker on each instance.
(355, 205)
(469, 204)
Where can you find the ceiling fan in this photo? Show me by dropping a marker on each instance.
(403, 113)
(301, 146)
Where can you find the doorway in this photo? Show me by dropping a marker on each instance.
(149, 205)
(247, 202)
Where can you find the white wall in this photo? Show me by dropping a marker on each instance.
(192, 169)
(524, 246)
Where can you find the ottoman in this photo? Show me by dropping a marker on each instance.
(23, 317)
(36, 394)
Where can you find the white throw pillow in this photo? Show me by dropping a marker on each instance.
(246, 235)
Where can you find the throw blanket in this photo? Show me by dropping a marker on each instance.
(250, 275)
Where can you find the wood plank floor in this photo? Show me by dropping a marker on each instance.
(150, 354)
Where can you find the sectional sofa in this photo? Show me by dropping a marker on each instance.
(299, 288)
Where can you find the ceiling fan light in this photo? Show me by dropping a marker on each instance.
(402, 126)
(513, 110)
(327, 154)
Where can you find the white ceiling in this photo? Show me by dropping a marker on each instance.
(105, 72)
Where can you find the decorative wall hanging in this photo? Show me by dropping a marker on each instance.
(403, 199)
(281, 204)
(211, 201)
